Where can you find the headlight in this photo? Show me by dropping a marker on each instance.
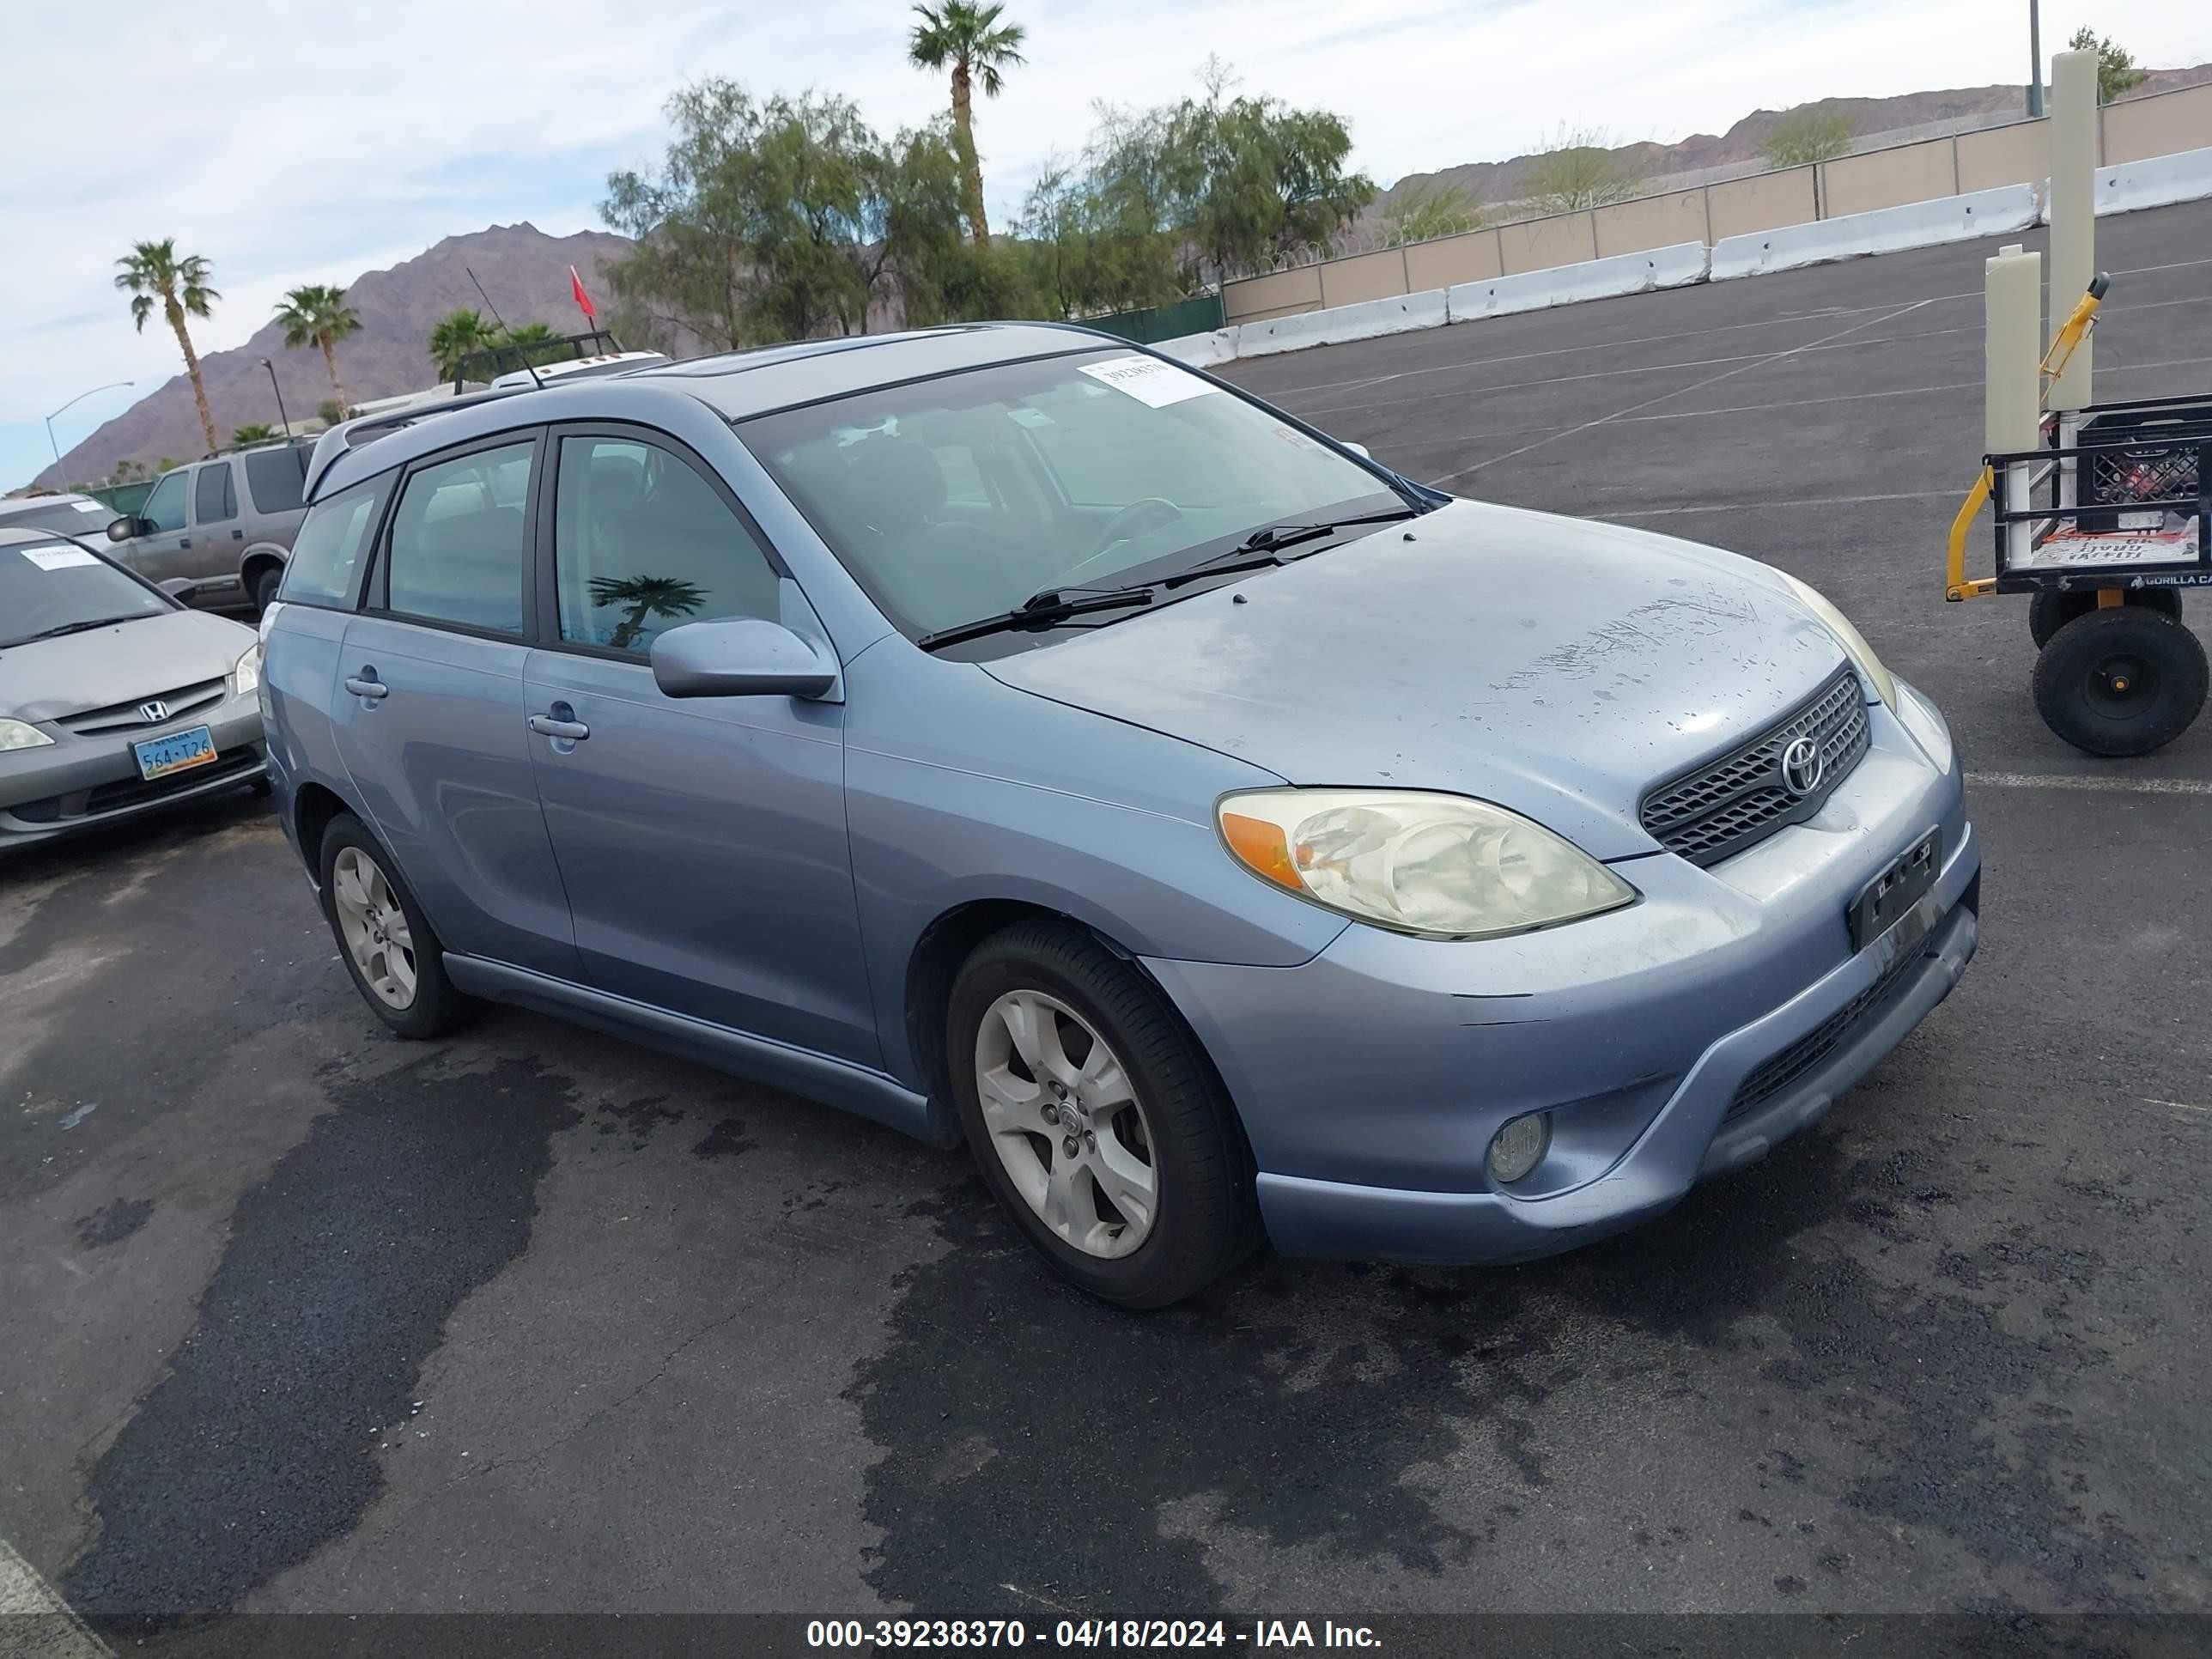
(1854, 642)
(20, 734)
(245, 673)
(1439, 864)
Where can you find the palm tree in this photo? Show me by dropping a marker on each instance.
(319, 315)
(978, 45)
(654, 595)
(528, 335)
(152, 274)
(256, 433)
(456, 337)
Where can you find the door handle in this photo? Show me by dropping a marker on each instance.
(366, 684)
(184, 541)
(238, 535)
(547, 726)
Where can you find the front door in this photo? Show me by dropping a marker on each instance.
(217, 536)
(165, 549)
(429, 713)
(702, 841)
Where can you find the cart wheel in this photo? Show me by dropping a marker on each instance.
(2051, 610)
(2121, 681)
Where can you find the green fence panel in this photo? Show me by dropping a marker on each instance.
(124, 499)
(1197, 315)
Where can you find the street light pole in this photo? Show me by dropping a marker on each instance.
(64, 409)
(2034, 60)
(282, 418)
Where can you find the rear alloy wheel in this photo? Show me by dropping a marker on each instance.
(2051, 609)
(387, 944)
(1096, 1124)
(2123, 680)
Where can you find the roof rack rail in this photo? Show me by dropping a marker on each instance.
(351, 435)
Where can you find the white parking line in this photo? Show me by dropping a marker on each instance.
(1789, 500)
(2082, 782)
(1684, 392)
(40, 1624)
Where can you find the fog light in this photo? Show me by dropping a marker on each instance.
(1519, 1144)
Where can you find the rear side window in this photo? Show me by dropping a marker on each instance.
(274, 477)
(326, 554)
(214, 497)
(458, 541)
(164, 507)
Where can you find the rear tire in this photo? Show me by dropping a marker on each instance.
(264, 587)
(1075, 1046)
(2051, 609)
(384, 940)
(2123, 680)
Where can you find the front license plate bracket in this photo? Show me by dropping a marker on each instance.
(1890, 897)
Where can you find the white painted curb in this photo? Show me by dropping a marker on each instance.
(2157, 181)
(1338, 325)
(1591, 279)
(1202, 350)
(1885, 230)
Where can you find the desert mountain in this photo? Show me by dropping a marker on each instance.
(524, 271)
(1497, 182)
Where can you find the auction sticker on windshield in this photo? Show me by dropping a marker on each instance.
(1149, 380)
(57, 558)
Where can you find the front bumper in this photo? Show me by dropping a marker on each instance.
(82, 782)
(1672, 1041)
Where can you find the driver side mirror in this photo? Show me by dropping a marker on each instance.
(123, 529)
(742, 657)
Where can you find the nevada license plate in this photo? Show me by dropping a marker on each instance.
(180, 751)
(1890, 897)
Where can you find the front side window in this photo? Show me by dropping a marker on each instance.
(961, 497)
(213, 498)
(325, 560)
(49, 589)
(274, 477)
(458, 541)
(642, 543)
(164, 507)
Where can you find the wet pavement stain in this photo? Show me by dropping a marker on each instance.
(1304, 1401)
(258, 1444)
(112, 1223)
(638, 1119)
(726, 1140)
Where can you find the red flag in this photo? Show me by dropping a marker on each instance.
(583, 300)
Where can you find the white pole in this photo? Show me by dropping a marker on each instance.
(2073, 211)
(2012, 286)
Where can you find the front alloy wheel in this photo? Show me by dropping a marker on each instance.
(1066, 1124)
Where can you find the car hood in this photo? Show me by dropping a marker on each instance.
(1557, 666)
(150, 657)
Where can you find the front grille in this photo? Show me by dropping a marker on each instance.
(1772, 1077)
(1727, 805)
(133, 792)
(123, 716)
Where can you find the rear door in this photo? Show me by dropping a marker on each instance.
(429, 707)
(216, 534)
(701, 840)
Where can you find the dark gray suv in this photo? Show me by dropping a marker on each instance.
(224, 526)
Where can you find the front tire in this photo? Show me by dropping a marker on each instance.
(263, 588)
(2120, 681)
(384, 940)
(2051, 609)
(1096, 1121)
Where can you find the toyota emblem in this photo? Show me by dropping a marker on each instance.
(1801, 768)
(154, 711)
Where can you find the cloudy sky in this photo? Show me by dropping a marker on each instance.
(292, 144)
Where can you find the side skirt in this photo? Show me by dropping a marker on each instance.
(837, 1082)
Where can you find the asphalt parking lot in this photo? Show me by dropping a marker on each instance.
(294, 1317)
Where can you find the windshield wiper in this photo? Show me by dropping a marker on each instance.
(1269, 539)
(1044, 610)
(75, 628)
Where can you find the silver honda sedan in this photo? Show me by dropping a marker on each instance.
(115, 700)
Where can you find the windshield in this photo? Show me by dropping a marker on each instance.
(962, 496)
(45, 585)
(79, 518)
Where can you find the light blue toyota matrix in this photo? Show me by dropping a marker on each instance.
(1009, 734)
